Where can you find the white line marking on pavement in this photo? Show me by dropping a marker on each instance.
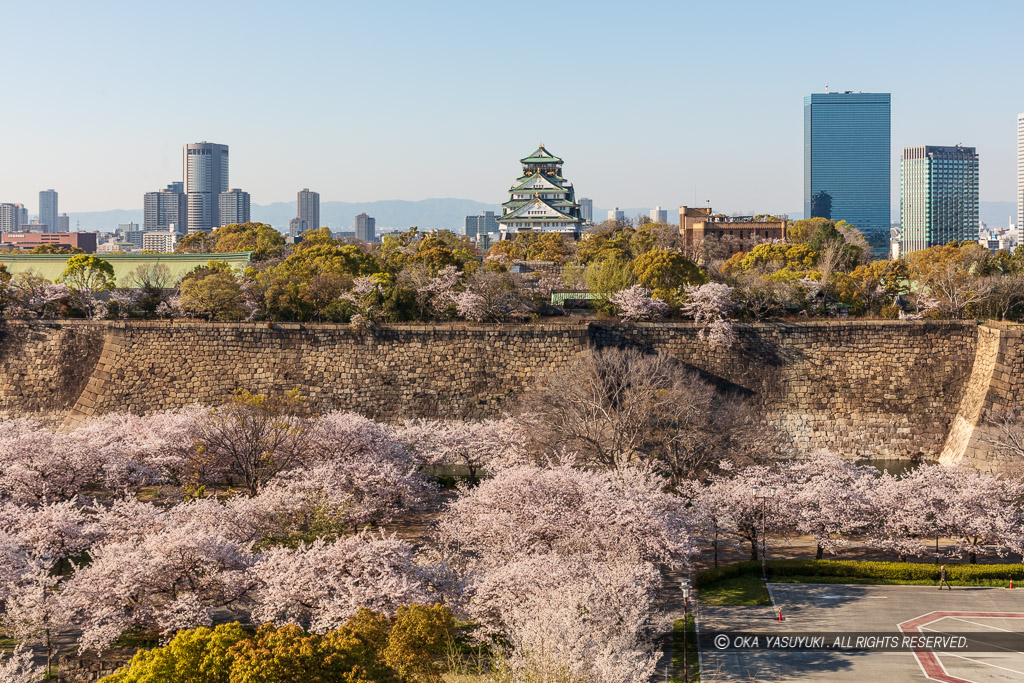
(977, 640)
(984, 625)
(979, 661)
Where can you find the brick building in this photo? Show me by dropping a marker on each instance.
(732, 233)
(86, 241)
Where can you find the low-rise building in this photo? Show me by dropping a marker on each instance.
(162, 241)
(732, 233)
(26, 241)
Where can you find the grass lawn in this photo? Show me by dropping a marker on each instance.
(743, 590)
(692, 660)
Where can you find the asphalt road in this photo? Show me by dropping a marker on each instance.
(977, 635)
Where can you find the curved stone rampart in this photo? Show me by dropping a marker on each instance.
(996, 386)
(860, 388)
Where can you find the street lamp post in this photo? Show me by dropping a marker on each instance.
(685, 583)
(764, 494)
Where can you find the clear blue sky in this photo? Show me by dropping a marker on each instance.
(648, 102)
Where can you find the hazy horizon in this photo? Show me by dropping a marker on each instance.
(649, 104)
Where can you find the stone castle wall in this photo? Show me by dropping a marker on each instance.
(884, 389)
(45, 366)
(996, 387)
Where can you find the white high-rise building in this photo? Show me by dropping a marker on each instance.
(234, 207)
(1020, 178)
(659, 215)
(205, 169)
(48, 209)
(10, 217)
(616, 214)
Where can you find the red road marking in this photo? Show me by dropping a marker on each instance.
(926, 659)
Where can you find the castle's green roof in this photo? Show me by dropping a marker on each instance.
(530, 219)
(527, 179)
(50, 266)
(541, 156)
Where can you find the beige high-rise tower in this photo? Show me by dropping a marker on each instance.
(205, 170)
(1020, 179)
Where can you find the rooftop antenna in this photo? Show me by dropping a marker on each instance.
(826, 88)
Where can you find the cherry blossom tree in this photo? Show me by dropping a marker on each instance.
(320, 585)
(356, 466)
(171, 576)
(525, 511)
(979, 511)
(709, 305)
(439, 291)
(560, 563)
(137, 451)
(491, 296)
(487, 445)
(740, 496)
(902, 516)
(831, 499)
(587, 619)
(19, 667)
(636, 303)
(32, 612)
(38, 465)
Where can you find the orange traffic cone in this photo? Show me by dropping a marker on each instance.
(780, 613)
(1011, 582)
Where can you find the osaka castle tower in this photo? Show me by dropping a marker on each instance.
(541, 200)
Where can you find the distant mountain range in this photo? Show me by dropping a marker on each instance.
(426, 214)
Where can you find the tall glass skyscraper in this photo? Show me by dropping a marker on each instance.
(48, 209)
(938, 196)
(847, 162)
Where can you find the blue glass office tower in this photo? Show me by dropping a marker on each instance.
(847, 162)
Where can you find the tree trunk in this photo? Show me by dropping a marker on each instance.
(901, 558)
(821, 551)
(753, 548)
(972, 558)
(714, 545)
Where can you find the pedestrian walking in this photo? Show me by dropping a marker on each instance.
(942, 578)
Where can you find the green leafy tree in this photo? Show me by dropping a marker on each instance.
(666, 273)
(216, 295)
(418, 639)
(196, 243)
(86, 276)
(200, 655)
(85, 272)
(771, 257)
(263, 240)
(55, 249)
(606, 277)
(306, 285)
(368, 648)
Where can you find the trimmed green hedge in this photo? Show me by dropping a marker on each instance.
(855, 569)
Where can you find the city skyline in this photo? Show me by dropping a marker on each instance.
(742, 151)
